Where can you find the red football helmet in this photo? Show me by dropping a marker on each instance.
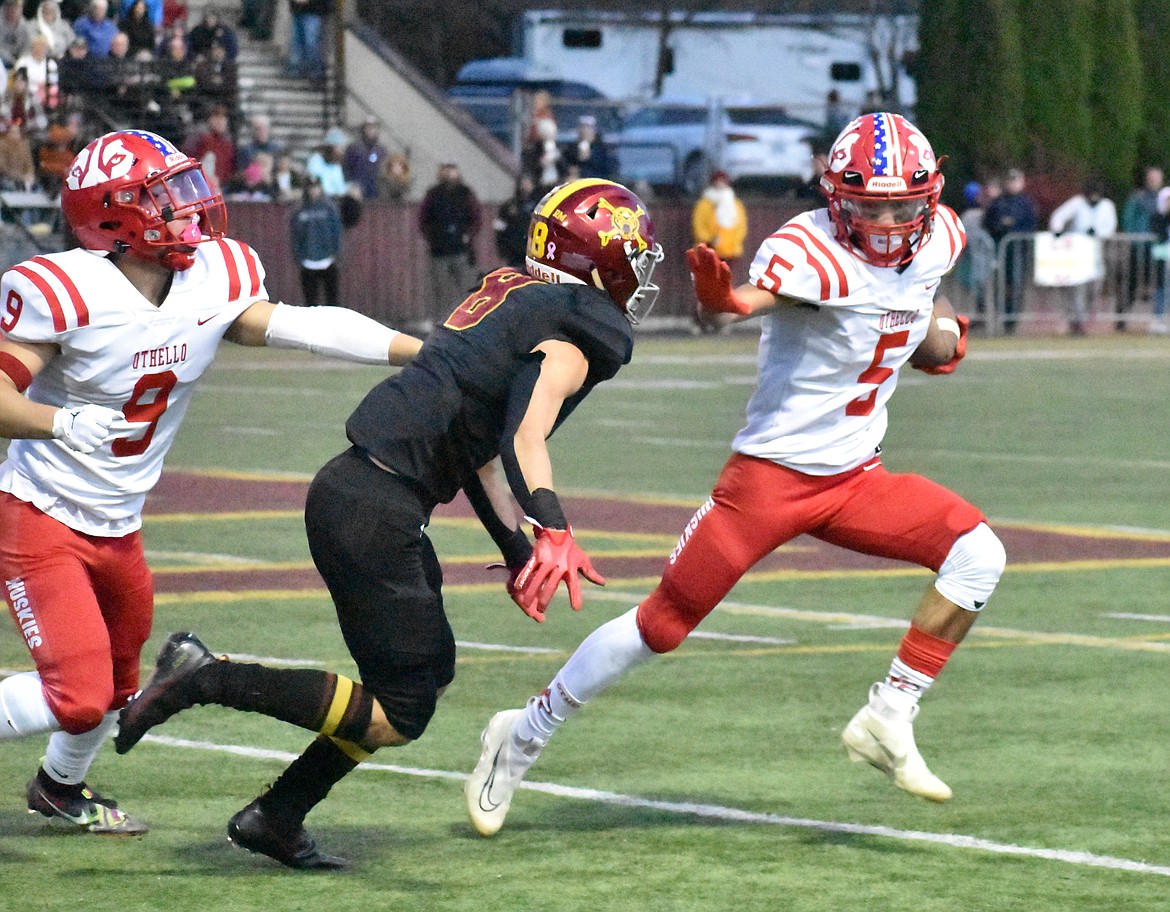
(124, 187)
(596, 232)
(883, 183)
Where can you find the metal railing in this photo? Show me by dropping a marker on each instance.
(998, 285)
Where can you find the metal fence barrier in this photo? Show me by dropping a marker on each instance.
(1101, 284)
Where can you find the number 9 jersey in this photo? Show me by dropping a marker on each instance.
(118, 350)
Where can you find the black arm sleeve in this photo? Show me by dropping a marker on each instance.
(513, 543)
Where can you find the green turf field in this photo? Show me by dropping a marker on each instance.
(713, 778)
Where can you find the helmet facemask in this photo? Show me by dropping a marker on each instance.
(884, 232)
(641, 302)
(176, 195)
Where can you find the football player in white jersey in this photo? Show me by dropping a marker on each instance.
(100, 350)
(847, 298)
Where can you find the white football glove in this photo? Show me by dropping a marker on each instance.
(84, 428)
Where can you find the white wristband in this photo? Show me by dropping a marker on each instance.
(946, 324)
(333, 331)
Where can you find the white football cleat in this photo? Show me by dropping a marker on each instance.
(884, 739)
(502, 764)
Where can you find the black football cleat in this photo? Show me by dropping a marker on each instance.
(169, 690)
(256, 831)
(85, 809)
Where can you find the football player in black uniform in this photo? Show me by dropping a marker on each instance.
(489, 386)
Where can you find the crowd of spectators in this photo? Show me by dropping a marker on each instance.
(70, 69)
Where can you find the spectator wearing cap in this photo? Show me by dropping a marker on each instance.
(15, 32)
(449, 217)
(325, 163)
(587, 156)
(1013, 213)
(365, 159)
(215, 140)
(96, 28)
(316, 233)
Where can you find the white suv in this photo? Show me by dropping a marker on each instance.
(679, 144)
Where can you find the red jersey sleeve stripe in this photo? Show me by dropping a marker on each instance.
(75, 298)
(232, 268)
(59, 324)
(812, 261)
(955, 234)
(842, 278)
(253, 263)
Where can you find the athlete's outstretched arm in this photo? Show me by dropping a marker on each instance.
(337, 332)
(718, 303)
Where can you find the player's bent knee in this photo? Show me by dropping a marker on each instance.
(77, 718)
(408, 705)
(667, 618)
(972, 568)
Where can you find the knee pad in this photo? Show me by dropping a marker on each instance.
(972, 568)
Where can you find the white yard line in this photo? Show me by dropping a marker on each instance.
(717, 812)
(1123, 616)
(503, 647)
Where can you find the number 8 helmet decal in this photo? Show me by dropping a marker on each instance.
(883, 183)
(123, 188)
(596, 232)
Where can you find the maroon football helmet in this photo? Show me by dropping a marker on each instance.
(882, 182)
(124, 187)
(596, 232)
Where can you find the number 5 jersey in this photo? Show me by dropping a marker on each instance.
(828, 366)
(118, 350)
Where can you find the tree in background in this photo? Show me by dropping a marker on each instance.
(970, 80)
(1153, 27)
(1116, 98)
(1058, 69)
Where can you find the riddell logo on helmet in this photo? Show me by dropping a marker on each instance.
(885, 184)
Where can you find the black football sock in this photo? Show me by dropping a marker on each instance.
(320, 701)
(307, 781)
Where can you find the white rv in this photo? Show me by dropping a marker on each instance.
(791, 60)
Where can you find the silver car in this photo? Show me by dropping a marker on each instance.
(678, 144)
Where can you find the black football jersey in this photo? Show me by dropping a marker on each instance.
(443, 415)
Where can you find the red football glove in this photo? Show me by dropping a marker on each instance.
(713, 282)
(555, 557)
(960, 349)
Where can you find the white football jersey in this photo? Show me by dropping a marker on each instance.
(827, 367)
(118, 350)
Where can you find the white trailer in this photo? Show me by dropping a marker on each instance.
(793, 60)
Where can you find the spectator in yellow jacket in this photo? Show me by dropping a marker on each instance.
(719, 219)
